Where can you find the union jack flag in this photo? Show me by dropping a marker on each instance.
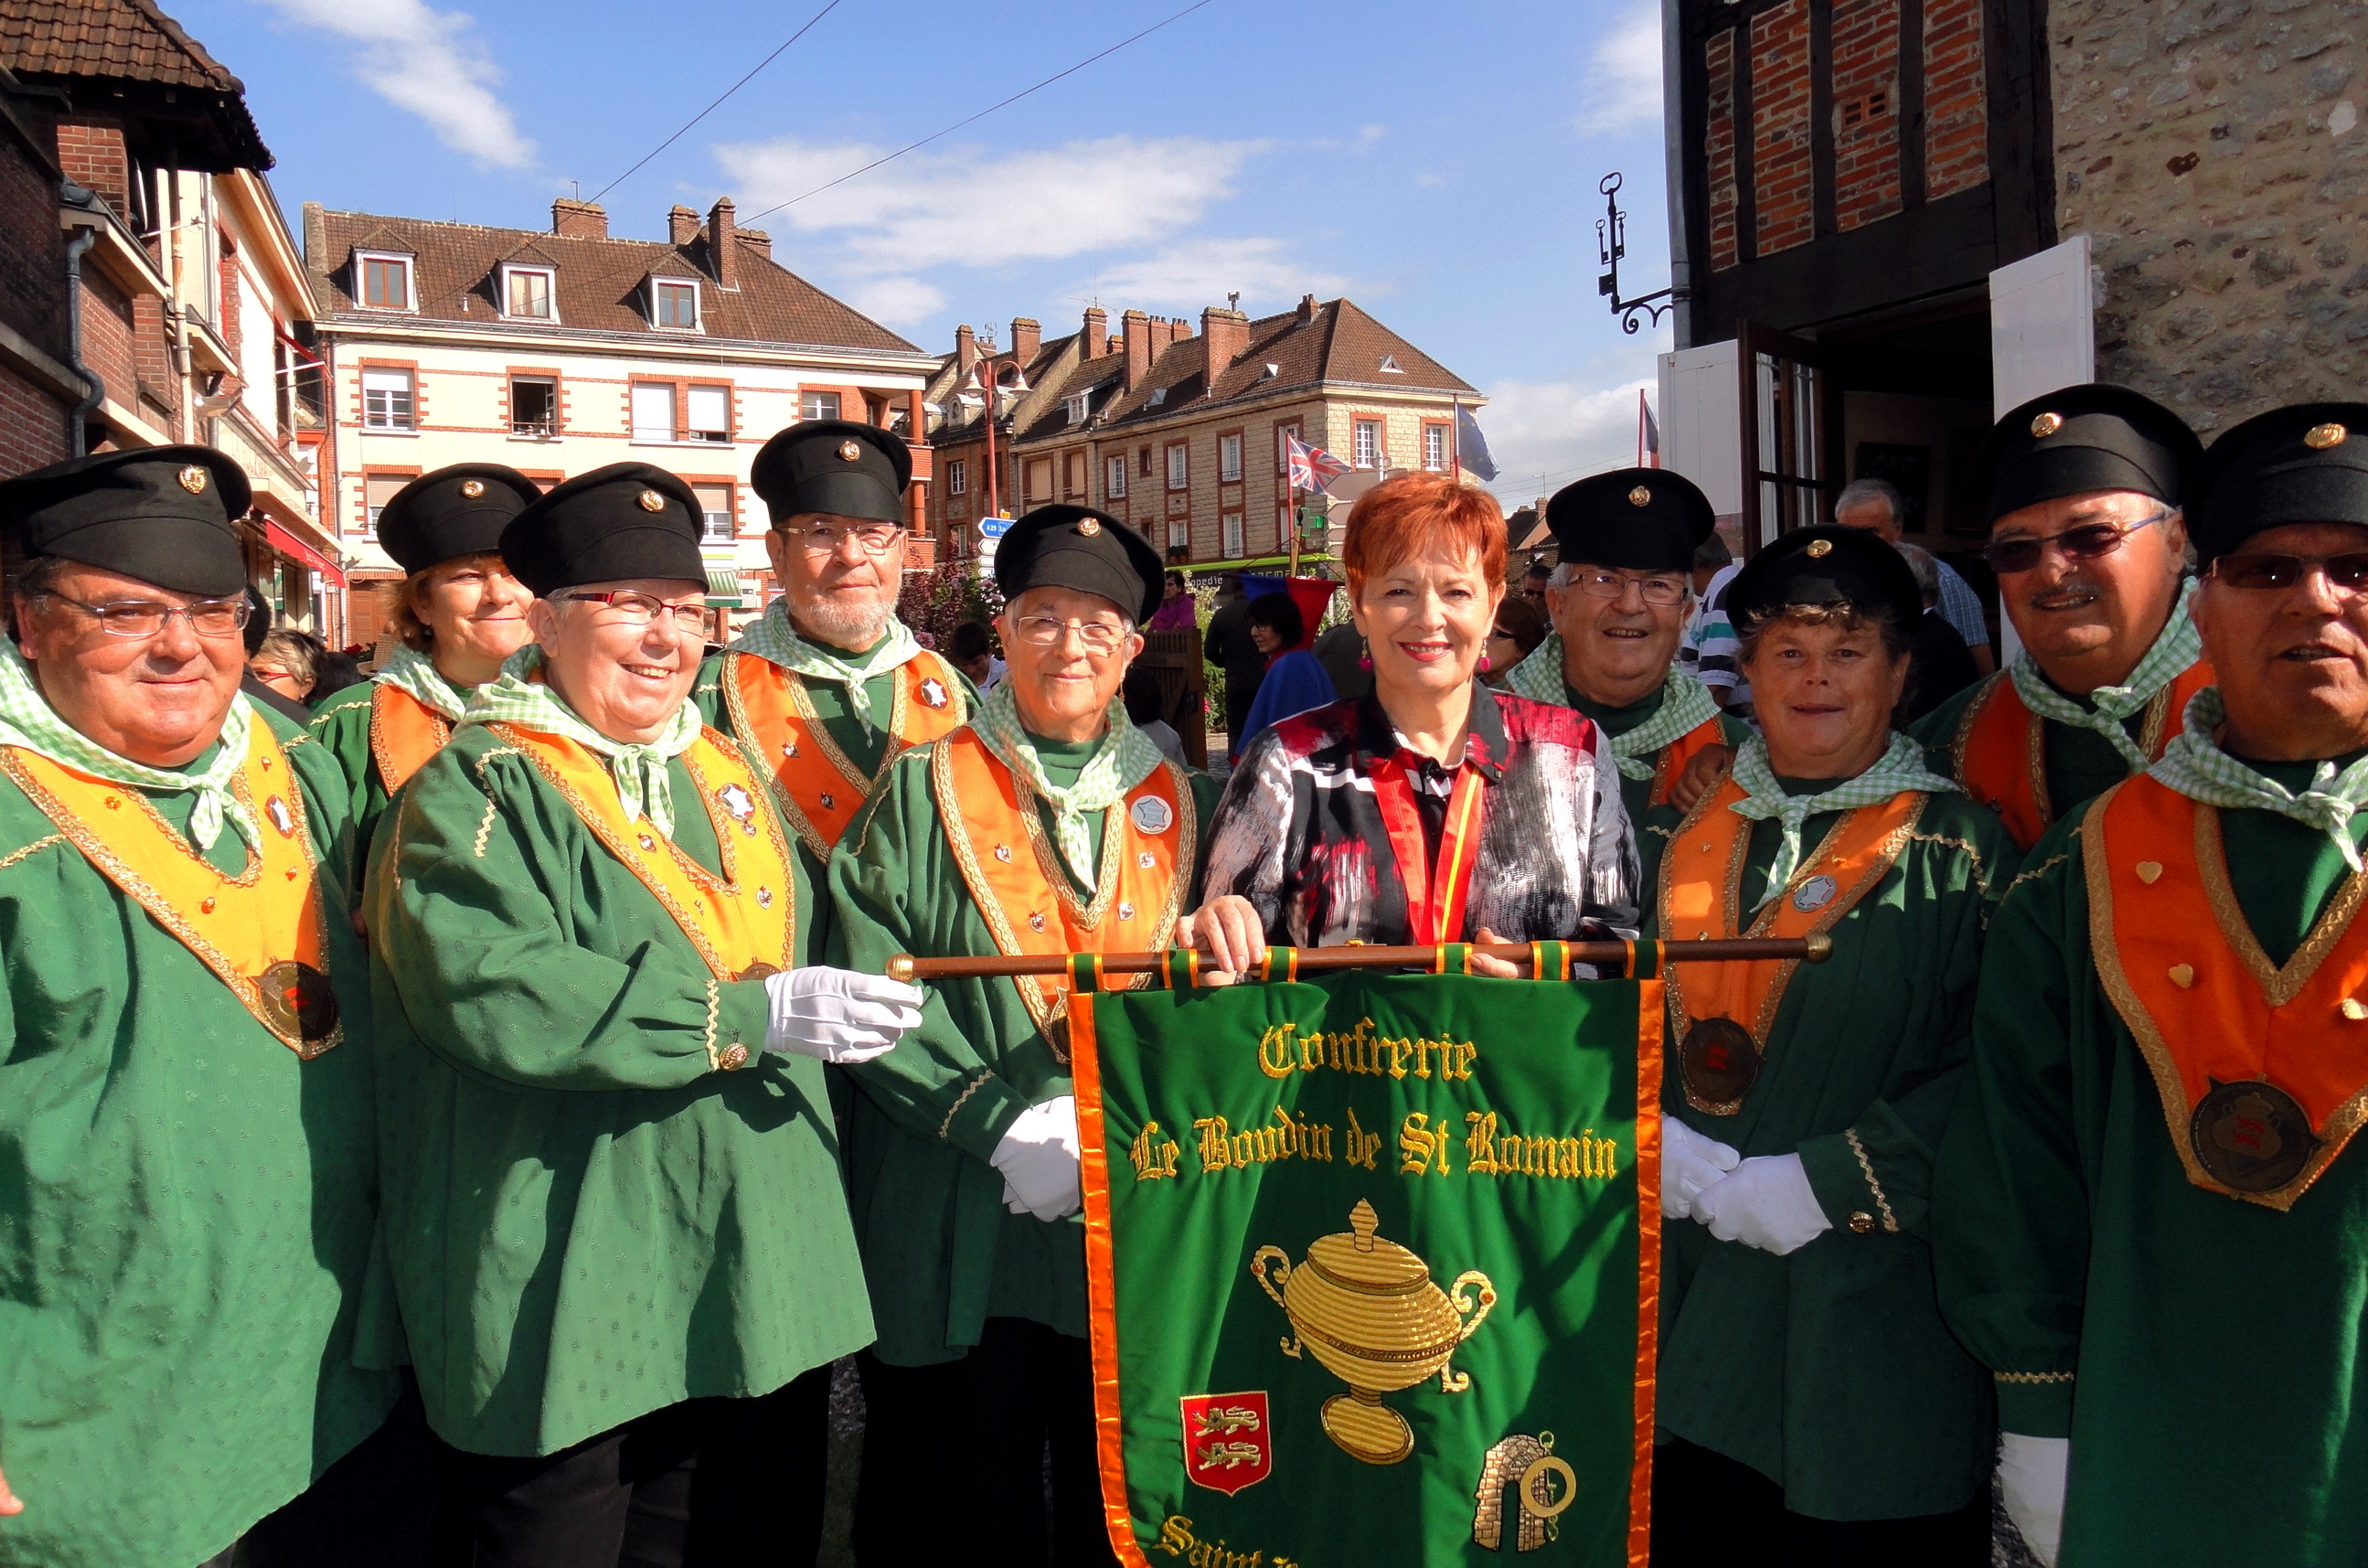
(1309, 468)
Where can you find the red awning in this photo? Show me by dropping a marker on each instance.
(288, 544)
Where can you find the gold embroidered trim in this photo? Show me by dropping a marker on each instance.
(1664, 833)
(946, 1128)
(2033, 873)
(2279, 986)
(1944, 841)
(811, 729)
(2031, 1377)
(1866, 1167)
(715, 1016)
(37, 844)
(492, 806)
(341, 707)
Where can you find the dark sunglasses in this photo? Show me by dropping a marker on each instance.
(2346, 574)
(2089, 541)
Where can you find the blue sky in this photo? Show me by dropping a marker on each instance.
(1438, 166)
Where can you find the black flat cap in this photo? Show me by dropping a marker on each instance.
(1638, 519)
(1076, 547)
(2307, 463)
(454, 511)
(1828, 564)
(160, 514)
(2085, 439)
(835, 466)
(616, 523)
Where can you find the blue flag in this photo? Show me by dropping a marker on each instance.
(1471, 447)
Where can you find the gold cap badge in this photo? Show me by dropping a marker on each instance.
(2320, 437)
(1088, 526)
(472, 488)
(649, 501)
(1640, 497)
(848, 451)
(193, 480)
(1819, 547)
(2046, 425)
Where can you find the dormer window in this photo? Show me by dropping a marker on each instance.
(1390, 366)
(674, 304)
(527, 293)
(385, 280)
(1076, 406)
(1159, 395)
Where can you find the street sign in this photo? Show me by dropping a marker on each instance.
(994, 528)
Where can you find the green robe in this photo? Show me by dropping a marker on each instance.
(941, 1252)
(1634, 792)
(587, 1221)
(342, 726)
(186, 1212)
(2081, 764)
(1828, 1369)
(2214, 1345)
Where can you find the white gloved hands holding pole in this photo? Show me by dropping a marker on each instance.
(2031, 1482)
(1038, 1158)
(1689, 1162)
(1766, 1203)
(838, 1015)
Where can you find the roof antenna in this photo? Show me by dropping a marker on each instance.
(578, 187)
(1233, 301)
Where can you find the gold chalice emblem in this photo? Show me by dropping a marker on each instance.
(1368, 1309)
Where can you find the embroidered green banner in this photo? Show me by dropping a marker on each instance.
(1372, 1283)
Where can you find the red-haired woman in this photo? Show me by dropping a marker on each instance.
(1435, 810)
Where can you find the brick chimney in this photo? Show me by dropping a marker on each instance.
(316, 240)
(1178, 329)
(1027, 337)
(1135, 328)
(965, 353)
(722, 253)
(1308, 307)
(1228, 333)
(682, 226)
(757, 241)
(578, 220)
(1096, 330)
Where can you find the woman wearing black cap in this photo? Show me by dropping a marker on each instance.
(1813, 1405)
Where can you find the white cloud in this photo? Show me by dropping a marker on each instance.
(1549, 433)
(968, 206)
(896, 302)
(429, 63)
(1624, 79)
(1194, 273)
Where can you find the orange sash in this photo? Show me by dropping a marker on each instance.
(818, 786)
(1672, 766)
(743, 922)
(2203, 1000)
(403, 734)
(1015, 875)
(264, 932)
(2000, 751)
(1702, 898)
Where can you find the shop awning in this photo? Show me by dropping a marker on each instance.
(723, 588)
(295, 549)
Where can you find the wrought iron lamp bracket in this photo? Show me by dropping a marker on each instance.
(1611, 245)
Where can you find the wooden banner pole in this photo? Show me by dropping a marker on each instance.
(1745, 949)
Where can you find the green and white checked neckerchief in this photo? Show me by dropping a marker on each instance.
(26, 720)
(417, 675)
(770, 636)
(2195, 765)
(1901, 766)
(1126, 759)
(1685, 703)
(2177, 647)
(639, 769)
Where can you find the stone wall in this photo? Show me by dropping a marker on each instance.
(2213, 151)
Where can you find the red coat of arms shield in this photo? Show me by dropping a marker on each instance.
(1228, 1441)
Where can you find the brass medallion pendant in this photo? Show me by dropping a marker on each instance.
(1720, 1062)
(2251, 1136)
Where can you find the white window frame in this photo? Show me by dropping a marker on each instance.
(644, 435)
(410, 265)
(1434, 448)
(549, 292)
(1180, 534)
(1282, 453)
(1365, 446)
(698, 305)
(1076, 406)
(957, 476)
(525, 431)
(1390, 366)
(706, 519)
(1114, 478)
(1179, 465)
(805, 392)
(1230, 542)
(409, 425)
(694, 431)
(1229, 458)
(1282, 524)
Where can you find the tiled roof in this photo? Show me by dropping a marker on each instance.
(1048, 355)
(599, 283)
(122, 39)
(1341, 344)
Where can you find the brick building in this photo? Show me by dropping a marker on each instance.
(1891, 220)
(561, 351)
(1181, 433)
(133, 157)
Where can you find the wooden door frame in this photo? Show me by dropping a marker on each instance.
(1751, 340)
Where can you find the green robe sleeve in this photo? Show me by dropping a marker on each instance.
(341, 728)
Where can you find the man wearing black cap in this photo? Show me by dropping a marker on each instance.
(185, 1086)
(1813, 1405)
(2088, 545)
(458, 613)
(1620, 603)
(828, 685)
(1000, 839)
(2147, 1212)
(614, 1213)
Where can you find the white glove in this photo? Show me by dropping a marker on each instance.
(837, 1015)
(1038, 1158)
(1767, 1203)
(1689, 1162)
(2031, 1479)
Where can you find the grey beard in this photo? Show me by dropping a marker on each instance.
(845, 625)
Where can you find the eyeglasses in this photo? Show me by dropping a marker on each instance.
(2086, 542)
(1612, 584)
(2346, 574)
(1046, 631)
(873, 538)
(146, 618)
(640, 609)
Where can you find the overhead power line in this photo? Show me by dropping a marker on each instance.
(982, 114)
(711, 108)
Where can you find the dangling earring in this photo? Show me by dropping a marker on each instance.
(1364, 661)
(1483, 664)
